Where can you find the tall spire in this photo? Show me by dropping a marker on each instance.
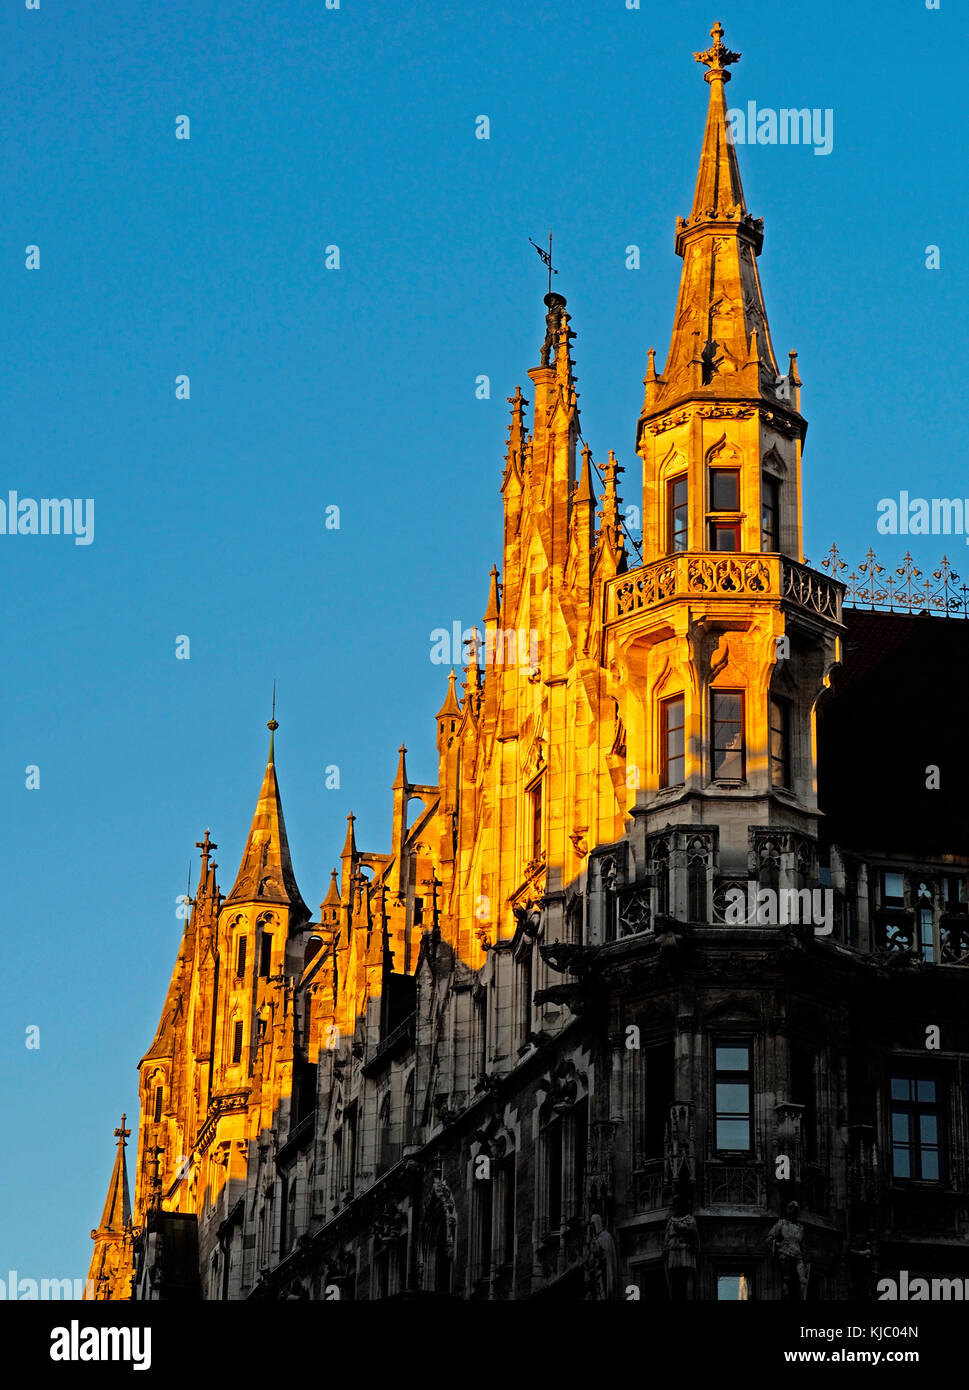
(719, 192)
(721, 342)
(117, 1207)
(266, 872)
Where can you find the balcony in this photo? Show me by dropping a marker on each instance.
(715, 574)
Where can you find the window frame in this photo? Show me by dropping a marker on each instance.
(784, 705)
(723, 521)
(677, 536)
(716, 693)
(914, 1108)
(730, 1076)
(665, 729)
(770, 486)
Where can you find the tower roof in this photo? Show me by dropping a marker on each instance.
(450, 709)
(721, 342)
(117, 1206)
(266, 872)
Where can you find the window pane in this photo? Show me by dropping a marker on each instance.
(894, 887)
(733, 1058)
(724, 490)
(926, 1090)
(732, 1287)
(929, 1129)
(930, 1165)
(900, 1127)
(726, 705)
(733, 1098)
(901, 1088)
(733, 1134)
(724, 537)
(901, 1163)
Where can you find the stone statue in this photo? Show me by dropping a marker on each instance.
(681, 1245)
(785, 1241)
(601, 1262)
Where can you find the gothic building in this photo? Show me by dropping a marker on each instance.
(678, 938)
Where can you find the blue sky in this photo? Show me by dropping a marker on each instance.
(356, 388)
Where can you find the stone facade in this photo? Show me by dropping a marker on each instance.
(552, 1043)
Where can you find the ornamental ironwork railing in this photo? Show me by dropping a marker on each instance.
(716, 574)
(902, 589)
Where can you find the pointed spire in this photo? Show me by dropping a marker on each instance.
(517, 440)
(117, 1207)
(584, 492)
(332, 898)
(611, 541)
(450, 709)
(266, 872)
(400, 781)
(493, 610)
(719, 192)
(720, 303)
(349, 850)
(472, 672)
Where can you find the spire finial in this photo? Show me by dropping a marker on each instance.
(718, 57)
(272, 726)
(122, 1134)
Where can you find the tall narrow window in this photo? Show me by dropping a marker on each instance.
(926, 923)
(770, 507)
(408, 1121)
(732, 1080)
(916, 1129)
(525, 999)
(241, 956)
(724, 518)
(350, 1149)
(580, 1150)
(505, 1211)
(659, 1098)
(481, 1031)
(237, 1042)
(483, 1216)
(727, 753)
(553, 1176)
(159, 1092)
(536, 820)
(672, 744)
(780, 743)
(678, 513)
(804, 1091)
(265, 954)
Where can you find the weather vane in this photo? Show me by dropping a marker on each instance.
(547, 258)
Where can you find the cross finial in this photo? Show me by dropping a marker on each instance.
(717, 57)
(122, 1133)
(272, 726)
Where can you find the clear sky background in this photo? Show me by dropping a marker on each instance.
(356, 387)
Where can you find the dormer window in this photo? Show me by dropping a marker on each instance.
(724, 515)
